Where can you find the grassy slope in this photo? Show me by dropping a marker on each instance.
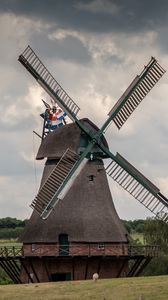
(149, 288)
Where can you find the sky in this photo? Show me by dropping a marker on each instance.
(94, 49)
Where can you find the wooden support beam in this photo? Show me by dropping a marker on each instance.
(73, 268)
(33, 269)
(86, 268)
(122, 267)
(22, 261)
(135, 266)
(8, 271)
(16, 266)
(143, 265)
(46, 269)
(12, 270)
(3, 266)
(12, 267)
(99, 265)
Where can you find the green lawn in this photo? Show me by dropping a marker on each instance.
(146, 288)
(138, 236)
(6, 243)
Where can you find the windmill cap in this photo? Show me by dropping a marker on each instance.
(68, 136)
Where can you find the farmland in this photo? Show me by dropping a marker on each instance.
(146, 288)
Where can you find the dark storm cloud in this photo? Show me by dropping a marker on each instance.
(69, 48)
(93, 15)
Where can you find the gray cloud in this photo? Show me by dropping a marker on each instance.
(94, 15)
(69, 48)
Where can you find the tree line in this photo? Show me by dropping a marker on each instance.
(11, 228)
(133, 226)
(154, 232)
(11, 223)
(8, 222)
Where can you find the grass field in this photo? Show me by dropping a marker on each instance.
(138, 236)
(6, 243)
(142, 288)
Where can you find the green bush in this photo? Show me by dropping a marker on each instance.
(158, 266)
(11, 223)
(11, 233)
(156, 233)
(134, 226)
(4, 279)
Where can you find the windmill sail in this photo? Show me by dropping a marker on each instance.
(136, 92)
(57, 184)
(70, 165)
(34, 65)
(136, 184)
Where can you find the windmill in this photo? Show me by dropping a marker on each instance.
(119, 168)
(71, 166)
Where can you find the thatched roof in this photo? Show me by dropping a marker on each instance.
(86, 214)
(68, 136)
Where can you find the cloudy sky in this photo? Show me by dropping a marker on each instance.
(94, 48)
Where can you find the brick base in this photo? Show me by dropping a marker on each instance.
(78, 268)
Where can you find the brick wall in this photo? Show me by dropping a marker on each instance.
(76, 249)
(80, 268)
(43, 260)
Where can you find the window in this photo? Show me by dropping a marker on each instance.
(101, 246)
(33, 247)
(91, 177)
(63, 245)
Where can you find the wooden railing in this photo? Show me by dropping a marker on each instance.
(145, 250)
(80, 250)
(9, 251)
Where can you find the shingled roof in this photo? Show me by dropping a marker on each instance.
(87, 213)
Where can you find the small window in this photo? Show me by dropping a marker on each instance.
(100, 246)
(33, 247)
(91, 177)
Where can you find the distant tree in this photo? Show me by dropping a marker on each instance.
(9, 222)
(158, 266)
(156, 233)
(134, 226)
(127, 225)
(11, 228)
(11, 233)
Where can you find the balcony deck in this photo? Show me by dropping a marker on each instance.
(13, 259)
(89, 250)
